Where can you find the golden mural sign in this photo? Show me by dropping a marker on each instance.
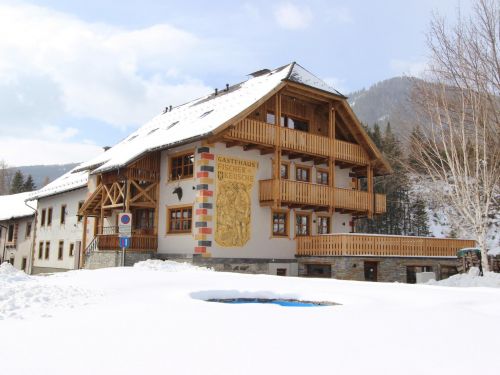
(235, 179)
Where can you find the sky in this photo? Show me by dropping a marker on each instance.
(79, 75)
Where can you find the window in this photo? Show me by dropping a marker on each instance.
(24, 263)
(181, 166)
(71, 249)
(47, 249)
(40, 250)
(321, 177)
(288, 122)
(293, 123)
(63, 214)
(179, 219)
(281, 272)
(49, 216)
(80, 217)
(60, 251)
(411, 272)
(28, 229)
(323, 224)
(10, 233)
(284, 171)
(42, 218)
(11, 260)
(303, 173)
(280, 223)
(302, 224)
(319, 270)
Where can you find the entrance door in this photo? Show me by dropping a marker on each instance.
(143, 221)
(371, 271)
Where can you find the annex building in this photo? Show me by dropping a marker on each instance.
(260, 177)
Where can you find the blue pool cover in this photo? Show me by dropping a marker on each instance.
(280, 302)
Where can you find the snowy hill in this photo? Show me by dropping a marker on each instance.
(388, 100)
(41, 172)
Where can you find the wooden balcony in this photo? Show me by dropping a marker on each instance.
(378, 245)
(140, 242)
(297, 193)
(264, 134)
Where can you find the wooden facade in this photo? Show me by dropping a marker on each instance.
(132, 189)
(327, 137)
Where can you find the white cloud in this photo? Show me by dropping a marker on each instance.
(408, 67)
(17, 151)
(54, 65)
(293, 17)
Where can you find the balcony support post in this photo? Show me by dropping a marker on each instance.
(277, 152)
(84, 243)
(331, 159)
(101, 215)
(369, 175)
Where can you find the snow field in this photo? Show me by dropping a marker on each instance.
(150, 319)
(23, 296)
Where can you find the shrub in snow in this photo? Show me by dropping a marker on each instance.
(169, 266)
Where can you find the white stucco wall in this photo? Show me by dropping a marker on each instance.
(21, 247)
(69, 232)
(261, 244)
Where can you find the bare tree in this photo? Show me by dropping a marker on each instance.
(459, 146)
(5, 178)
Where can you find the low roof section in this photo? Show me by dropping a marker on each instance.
(13, 206)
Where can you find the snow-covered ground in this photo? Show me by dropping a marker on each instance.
(151, 319)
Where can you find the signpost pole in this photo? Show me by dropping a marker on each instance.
(124, 232)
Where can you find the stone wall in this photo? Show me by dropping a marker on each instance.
(389, 269)
(113, 258)
(239, 265)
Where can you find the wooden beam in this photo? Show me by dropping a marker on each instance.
(277, 152)
(369, 173)
(233, 144)
(84, 243)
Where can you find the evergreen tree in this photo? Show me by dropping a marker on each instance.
(29, 185)
(17, 183)
(404, 215)
(420, 219)
(376, 136)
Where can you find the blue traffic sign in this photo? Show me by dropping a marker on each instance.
(125, 242)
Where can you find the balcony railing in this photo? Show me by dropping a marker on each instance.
(304, 193)
(378, 245)
(138, 242)
(264, 134)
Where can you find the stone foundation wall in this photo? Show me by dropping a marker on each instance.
(248, 265)
(40, 270)
(113, 258)
(389, 269)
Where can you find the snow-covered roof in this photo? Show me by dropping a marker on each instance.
(301, 75)
(12, 206)
(200, 117)
(69, 181)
